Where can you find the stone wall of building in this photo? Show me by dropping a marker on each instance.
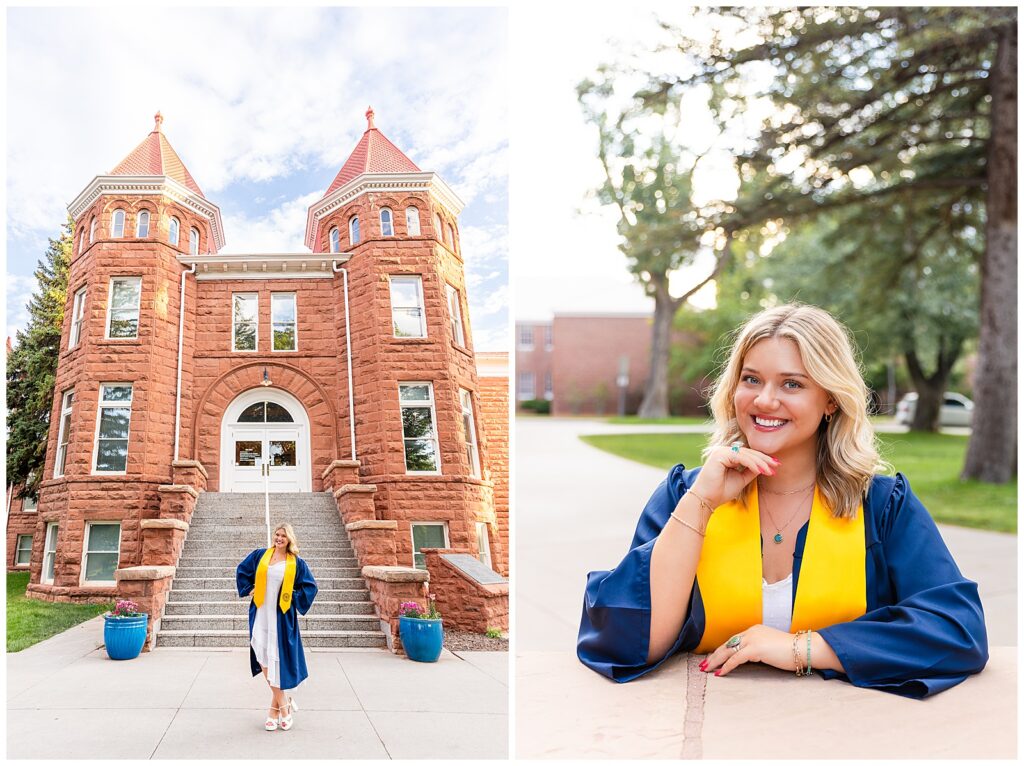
(19, 522)
(494, 413)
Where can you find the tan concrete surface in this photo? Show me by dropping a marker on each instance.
(565, 710)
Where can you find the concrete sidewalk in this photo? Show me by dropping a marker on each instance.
(65, 698)
(576, 508)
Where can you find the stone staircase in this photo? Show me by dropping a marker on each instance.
(203, 608)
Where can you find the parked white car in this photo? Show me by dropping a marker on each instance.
(957, 409)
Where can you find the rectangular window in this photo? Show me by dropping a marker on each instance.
(472, 453)
(525, 338)
(407, 307)
(29, 504)
(123, 307)
(49, 553)
(63, 433)
(77, 318)
(284, 321)
(549, 337)
(23, 554)
(102, 542)
(455, 313)
(527, 387)
(245, 321)
(428, 534)
(115, 412)
(483, 544)
(418, 433)
(549, 389)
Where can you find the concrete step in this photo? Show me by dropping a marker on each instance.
(228, 570)
(224, 583)
(331, 622)
(177, 594)
(226, 550)
(258, 537)
(316, 563)
(241, 607)
(239, 638)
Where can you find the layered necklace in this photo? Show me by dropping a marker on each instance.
(778, 538)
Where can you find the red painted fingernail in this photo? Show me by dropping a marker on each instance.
(718, 672)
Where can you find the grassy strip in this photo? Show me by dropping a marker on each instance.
(30, 621)
(633, 420)
(931, 462)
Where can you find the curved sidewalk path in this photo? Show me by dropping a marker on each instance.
(576, 508)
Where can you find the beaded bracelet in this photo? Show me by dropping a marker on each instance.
(807, 670)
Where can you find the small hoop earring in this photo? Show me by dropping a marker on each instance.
(828, 417)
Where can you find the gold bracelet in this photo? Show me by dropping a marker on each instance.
(685, 523)
(704, 504)
(806, 670)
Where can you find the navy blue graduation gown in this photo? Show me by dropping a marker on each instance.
(923, 632)
(289, 642)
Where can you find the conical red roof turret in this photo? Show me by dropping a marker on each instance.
(155, 157)
(373, 154)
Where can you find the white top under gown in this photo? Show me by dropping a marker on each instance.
(777, 603)
(264, 628)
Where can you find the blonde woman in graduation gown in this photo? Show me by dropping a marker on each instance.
(282, 588)
(786, 547)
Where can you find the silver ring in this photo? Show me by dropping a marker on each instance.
(734, 642)
(735, 447)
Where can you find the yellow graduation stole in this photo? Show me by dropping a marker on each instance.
(260, 591)
(832, 584)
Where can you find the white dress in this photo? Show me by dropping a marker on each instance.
(264, 628)
(777, 603)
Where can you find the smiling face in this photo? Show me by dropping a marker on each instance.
(778, 406)
(280, 540)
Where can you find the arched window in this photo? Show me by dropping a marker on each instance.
(142, 224)
(81, 241)
(387, 228)
(335, 240)
(117, 224)
(451, 236)
(438, 231)
(92, 230)
(353, 230)
(173, 233)
(412, 222)
(193, 241)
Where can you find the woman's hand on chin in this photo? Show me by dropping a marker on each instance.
(758, 643)
(725, 473)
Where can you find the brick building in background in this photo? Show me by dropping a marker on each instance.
(349, 368)
(534, 347)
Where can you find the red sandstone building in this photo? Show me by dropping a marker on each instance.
(348, 369)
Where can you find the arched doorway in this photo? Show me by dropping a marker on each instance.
(265, 437)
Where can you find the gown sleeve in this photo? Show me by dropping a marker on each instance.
(245, 574)
(927, 630)
(615, 628)
(304, 590)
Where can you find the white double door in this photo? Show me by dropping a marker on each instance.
(269, 453)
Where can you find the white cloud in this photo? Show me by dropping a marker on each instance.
(19, 292)
(282, 230)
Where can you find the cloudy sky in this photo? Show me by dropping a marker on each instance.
(263, 106)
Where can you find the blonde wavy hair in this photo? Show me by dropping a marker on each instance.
(293, 541)
(847, 447)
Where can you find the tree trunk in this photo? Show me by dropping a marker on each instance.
(655, 402)
(930, 388)
(992, 451)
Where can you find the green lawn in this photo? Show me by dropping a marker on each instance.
(30, 621)
(931, 462)
(632, 420)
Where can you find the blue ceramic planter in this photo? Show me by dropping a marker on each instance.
(124, 636)
(422, 639)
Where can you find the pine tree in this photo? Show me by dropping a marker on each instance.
(32, 367)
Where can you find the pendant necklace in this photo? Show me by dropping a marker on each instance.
(778, 530)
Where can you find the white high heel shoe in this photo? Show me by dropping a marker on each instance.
(286, 722)
(271, 723)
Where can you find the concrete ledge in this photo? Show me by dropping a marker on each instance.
(164, 524)
(346, 489)
(144, 573)
(185, 488)
(396, 574)
(339, 464)
(190, 464)
(371, 524)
